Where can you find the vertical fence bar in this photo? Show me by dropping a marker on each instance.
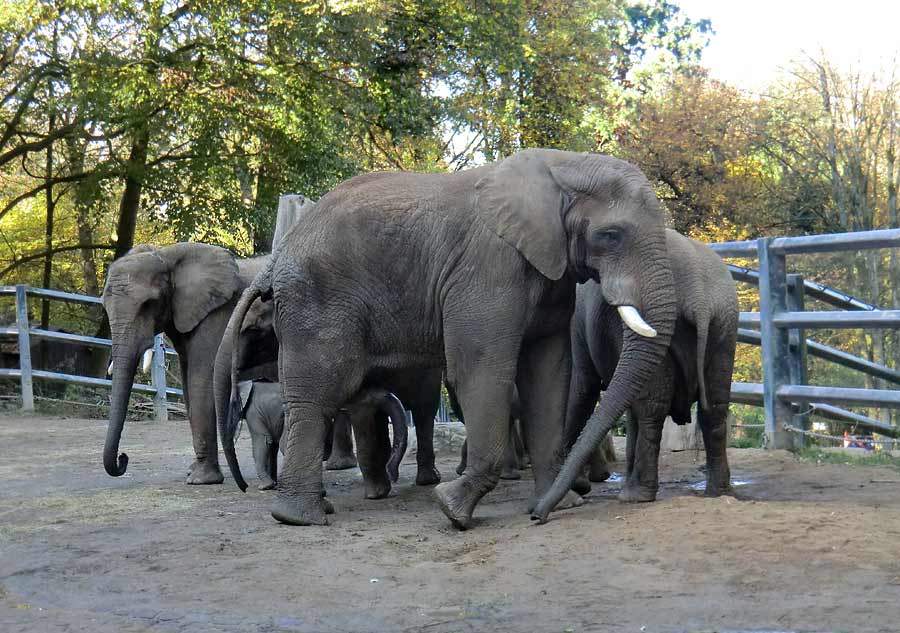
(24, 348)
(775, 345)
(797, 358)
(158, 378)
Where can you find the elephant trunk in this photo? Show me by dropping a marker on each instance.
(228, 423)
(125, 361)
(392, 406)
(638, 361)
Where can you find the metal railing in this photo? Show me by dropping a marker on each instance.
(26, 374)
(782, 320)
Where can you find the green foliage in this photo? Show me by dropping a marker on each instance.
(819, 456)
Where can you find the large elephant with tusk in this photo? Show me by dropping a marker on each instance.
(474, 271)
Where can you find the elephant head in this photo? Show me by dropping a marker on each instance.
(152, 290)
(609, 229)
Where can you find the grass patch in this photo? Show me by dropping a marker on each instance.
(104, 507)
(820, 456)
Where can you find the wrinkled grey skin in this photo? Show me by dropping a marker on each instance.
(697, 368)
(257, 352)
(258, 346)
(513, 455)
(474, 271)
(264, 413)
(186, 291)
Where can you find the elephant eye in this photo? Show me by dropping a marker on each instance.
(607, 239)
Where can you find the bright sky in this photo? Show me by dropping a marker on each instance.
(755, 40)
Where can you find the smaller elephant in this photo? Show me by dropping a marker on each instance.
(264, 414)
(697, 368)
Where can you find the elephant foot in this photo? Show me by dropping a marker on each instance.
(637, 494)
(581, 486)
(718, 488)
(204, 473)
(457, 500)
(266, 484)
(597, 475)
(340, 462)
(303, 510)
(428, 476)
(378, 489)
(510, 474)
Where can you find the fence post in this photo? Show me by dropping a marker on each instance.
(24, 348)
(158, 378)
(775, 345)
(797, 342)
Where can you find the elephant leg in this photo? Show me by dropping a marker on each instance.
(342, 456)
(370, 446)
(584, 390)
(600, 468)
(642, 482)
(521, 453)
(261, 460)
(426, 472)
(714, 425)
(202, 416)
(510, 469)
(486, 399)
(300, 499)
(543, 382)
(273, 460)
(463, 457)
(631, 436)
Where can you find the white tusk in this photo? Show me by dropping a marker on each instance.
(109, 369)
(633, 320)
(148, 359)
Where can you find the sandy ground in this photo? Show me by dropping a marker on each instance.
(802, 547)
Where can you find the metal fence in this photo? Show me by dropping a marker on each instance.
(26, 375)
(781, 324)
(782, 321)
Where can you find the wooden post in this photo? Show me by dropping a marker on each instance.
(158, 379)
(797, 358)
(775, 346)
(290, 207)
(24, 348)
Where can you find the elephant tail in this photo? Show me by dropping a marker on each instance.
(394, 409)
(390, 405)
(228, 425)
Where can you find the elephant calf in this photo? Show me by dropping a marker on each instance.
(263, 412)
(698, 368)
(261, 406)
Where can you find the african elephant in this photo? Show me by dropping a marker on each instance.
(474, 271)
(186, 291)
(257, 345)
(697, 368)
(264, 413)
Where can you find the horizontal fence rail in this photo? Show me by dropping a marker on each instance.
(779, 328)
(26, 374)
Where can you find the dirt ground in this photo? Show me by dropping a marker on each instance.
(802, 547)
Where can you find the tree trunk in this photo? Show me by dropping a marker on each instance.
(130, 204)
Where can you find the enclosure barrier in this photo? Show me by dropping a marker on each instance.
(781, 324)
(782, 321)
(26, 374)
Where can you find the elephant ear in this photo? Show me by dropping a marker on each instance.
(521, 201)
(244, 389)
(203, 278)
